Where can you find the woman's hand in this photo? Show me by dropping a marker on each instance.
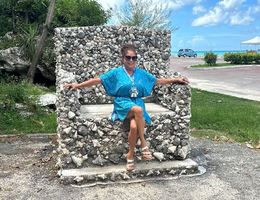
(164, 81)
(181, 80)
(72, 86)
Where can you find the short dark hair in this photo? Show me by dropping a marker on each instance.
(127, 47)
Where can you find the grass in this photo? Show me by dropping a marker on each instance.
(232, 117)
(11, 119)
(7, 43)
(12, 122)
(214, 115)
(216, 65)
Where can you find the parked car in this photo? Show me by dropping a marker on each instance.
(187, 53)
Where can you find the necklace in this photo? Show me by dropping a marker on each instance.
(133, 91)
(131, 77)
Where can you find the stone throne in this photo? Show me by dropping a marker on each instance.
(92, 147)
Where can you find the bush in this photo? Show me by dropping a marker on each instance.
(242, 58)
(12, 93)
(210, 58)
(6, 43)
(28, 41)
(234, 58)
(257, 58)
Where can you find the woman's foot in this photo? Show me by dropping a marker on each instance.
(146, 154)
(130, 165)
(130, 162)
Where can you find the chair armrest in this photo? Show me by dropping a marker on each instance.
(67, 104)
(173, 96)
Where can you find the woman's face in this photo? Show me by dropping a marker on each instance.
(130, 60)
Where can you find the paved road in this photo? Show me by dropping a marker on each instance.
(240, 81)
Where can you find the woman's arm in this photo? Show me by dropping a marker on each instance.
(88, 83)
(164, 81)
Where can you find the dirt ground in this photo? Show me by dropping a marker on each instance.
(27, 171)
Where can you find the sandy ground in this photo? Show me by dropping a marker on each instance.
(27, 172)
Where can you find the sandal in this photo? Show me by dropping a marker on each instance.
(146, 154)
(130, 165)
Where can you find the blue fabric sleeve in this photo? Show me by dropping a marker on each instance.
(109, 81)
(148, 82)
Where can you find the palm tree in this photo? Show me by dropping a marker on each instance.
(145, 14)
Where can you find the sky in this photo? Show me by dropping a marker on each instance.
(208, 25)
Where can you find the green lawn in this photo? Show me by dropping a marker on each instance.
(12, 121)
(213, 115)
(216, 65)
(233, 117)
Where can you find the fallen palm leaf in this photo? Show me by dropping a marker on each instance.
(38, 122)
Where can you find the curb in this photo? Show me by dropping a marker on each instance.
(40, 137)
(224, 67)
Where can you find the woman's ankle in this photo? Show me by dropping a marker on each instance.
(130, 155)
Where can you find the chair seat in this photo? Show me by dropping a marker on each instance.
(105, 110)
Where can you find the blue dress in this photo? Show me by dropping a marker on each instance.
(118, 83)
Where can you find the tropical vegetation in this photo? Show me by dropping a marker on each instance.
(242, 58)
(30, 24)
(145, 14)
(210, 58)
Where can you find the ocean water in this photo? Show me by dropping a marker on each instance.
(219, 53)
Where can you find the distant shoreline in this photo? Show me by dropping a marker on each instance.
(219, 53)
(219, 58)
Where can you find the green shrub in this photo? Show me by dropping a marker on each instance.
(234, 58)
(210, 58)
(7, 43)
(28, 41)
(257, 58)
(12, 93)
(242, 58)
(227, 57)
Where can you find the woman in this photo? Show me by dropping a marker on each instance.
(128, 84)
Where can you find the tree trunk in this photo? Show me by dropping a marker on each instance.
(13, 21)
(26, 17)
(40, 43)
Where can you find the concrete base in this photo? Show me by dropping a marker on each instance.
(116, 173)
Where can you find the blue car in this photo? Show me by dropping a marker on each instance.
(187, 53)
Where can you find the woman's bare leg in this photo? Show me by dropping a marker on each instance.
(136, 112)
(132, 138)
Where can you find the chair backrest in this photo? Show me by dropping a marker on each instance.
(90, 51)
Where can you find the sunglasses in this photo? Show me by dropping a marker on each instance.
(131, 58)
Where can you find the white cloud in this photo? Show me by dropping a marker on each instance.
(107, 4)
(198, 9)
(227, 11)
(171, 4)
(256, 9)
(211, 18)
(177, 4)
(240, 19)
(196, 40)
(230, 4)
